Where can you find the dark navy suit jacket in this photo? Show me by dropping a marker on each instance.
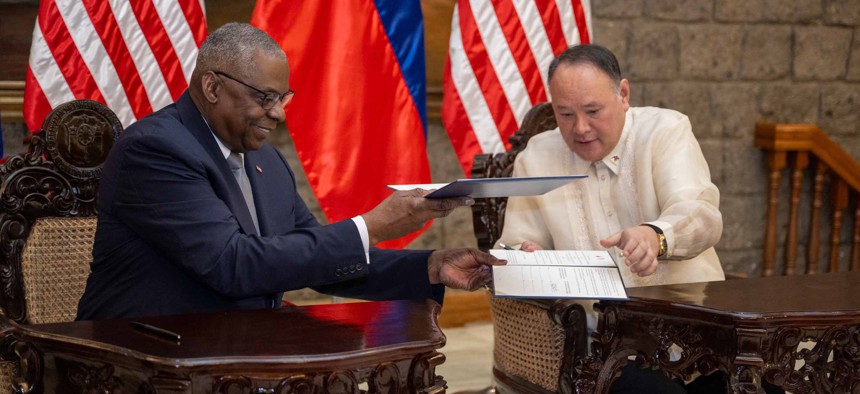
(174, 234)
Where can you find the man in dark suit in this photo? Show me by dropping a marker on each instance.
(197, 213)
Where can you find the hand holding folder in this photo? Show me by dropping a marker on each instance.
(492, 187)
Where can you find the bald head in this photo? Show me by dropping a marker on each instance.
(231, 48)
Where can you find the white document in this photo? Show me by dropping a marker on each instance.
(590, 274)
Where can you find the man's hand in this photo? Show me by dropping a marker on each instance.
(638, 247)
(406, 211)
(466, 269)
(529, 246)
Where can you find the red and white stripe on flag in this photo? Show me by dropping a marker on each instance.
(498, 58)
(134, 56)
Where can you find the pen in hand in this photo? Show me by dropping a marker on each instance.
(149, 329)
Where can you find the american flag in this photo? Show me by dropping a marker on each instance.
(134, 56)
(497, 64)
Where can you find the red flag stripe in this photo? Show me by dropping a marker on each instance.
(36, 106)
(490, 85)
(100, 50)
(108, 30)
(538, 42)
(46, 72)
(93, 52)
(193, 10)
(454, 116)
(501, 58)
(579, 12)
(66, 54)
(156, 36)
(480, 93)
(552, 24)
(144, 59)
(519, 46)
(464, 83)
(179, 34)
(570, 21)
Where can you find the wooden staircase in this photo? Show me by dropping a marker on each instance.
(803, 150)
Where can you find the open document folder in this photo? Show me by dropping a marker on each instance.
(590, 274)
(492, 187)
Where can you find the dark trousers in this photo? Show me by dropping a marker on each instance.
(635, 380)
(645, 381)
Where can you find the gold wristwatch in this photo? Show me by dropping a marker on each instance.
(661, 239)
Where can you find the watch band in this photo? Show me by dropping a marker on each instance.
(661, 239)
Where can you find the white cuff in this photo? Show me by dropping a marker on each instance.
(365, 238)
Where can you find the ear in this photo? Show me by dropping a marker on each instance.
(624, 93)
(211, 87)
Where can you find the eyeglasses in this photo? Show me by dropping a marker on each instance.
(268, 99)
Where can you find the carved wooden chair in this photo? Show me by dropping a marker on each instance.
(537, 342)
(48, 219)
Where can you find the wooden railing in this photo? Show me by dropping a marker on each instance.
(11, 100)
(805, 149)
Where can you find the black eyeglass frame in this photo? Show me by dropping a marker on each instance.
(268, 97)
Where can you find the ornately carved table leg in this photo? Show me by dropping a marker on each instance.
(746, 380)
(596, 376)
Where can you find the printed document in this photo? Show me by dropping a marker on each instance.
(590, 274)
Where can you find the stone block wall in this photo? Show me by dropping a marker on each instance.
(726, 64)
(730, 63)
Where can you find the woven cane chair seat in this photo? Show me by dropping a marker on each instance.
(526, 343)
(55, 266)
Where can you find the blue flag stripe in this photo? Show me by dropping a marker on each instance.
(404, 25)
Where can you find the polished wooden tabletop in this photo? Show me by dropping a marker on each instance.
(820, 294)
(289, 334)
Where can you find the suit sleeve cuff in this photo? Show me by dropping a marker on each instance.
(365, 238)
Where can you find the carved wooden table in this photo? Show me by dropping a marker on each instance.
(379, 347)
(798, 332)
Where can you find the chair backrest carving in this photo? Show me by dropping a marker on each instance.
(56, 178)
(488, 214)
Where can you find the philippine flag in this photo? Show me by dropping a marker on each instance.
(359, 115)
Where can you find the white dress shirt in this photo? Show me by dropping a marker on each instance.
(656, 174)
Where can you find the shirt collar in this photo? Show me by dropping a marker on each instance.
(613, 159)
(224, 149)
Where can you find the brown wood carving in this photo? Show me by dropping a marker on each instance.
(830, 360)
(751, 330)
(391, 348)
(57, 176)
